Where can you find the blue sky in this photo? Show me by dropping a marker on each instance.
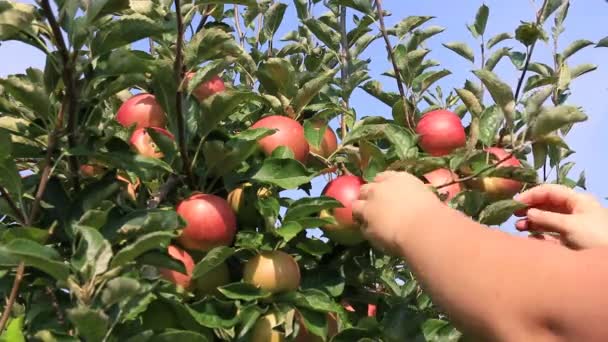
(590, 91)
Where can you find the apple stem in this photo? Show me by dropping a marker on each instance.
(389, 49)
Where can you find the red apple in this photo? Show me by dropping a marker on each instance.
(440, 132)
(440, 177)
(371, 310)
(144, 144)
(91, 170)
(142, 110)
(289, 134)
(274, 271)
(175, 277)
(263, 330)
(210, 222)
(501, 188)
(210, 281)
(206, 89)
(329, 144)
(345, 189)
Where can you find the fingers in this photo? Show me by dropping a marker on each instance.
(381, 177)
(555, 195)
(364, 191)
(358, 210)
(540, 220)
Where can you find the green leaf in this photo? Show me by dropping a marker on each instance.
(28, 233)
(491, 120)
(528, 33)
(522, 174)
(315, 322)
(15, 17)
(314, 247)
(462, 49)
(14, 330)
(581, 69)
(273, 18)
(221, 105)
(550, 8)
(534, 103)
(602, 43)
(289, 230)
(500, 91)
(160, 259)
(139, 222)
(307, 206)
(212, 260)
(311, 89)
(362, 6)
(9, 174)
(213, 313)
(277, 76)
(499, 212)
(91, 324)
(30, 94)
(576, 46)
(142, 245)
(93, 253)
(286, 173)
(408, 24)
(426, 80)
(471, 101)
(374, 88)
(211, 44)
(119, 289)
(38, 256)
(539, 152)
(324, 33)
(551, 119)
(313, 133)
(128, 29)
(498, 38)
(496, 57)
(481, 19)
(180, 335)
(243, 291)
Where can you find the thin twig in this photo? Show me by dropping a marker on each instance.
(389, 49)
(179, 77)
(7, 197)
(202, 23)
(345, 70)
(237, 23)
(71, 92)
(164, 190)
(13, 296)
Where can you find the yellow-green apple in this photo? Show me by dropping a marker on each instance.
(274, 271)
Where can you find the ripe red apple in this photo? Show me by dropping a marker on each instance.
(210, 281)
(142, 110)
(91, 170)
(345, 189)
(501, 188)
(175, 277)
(210, 222)
(206, 89)
(241, 201)
(329, 144)
(440, 132)
(372, 309)
(440, 177)
(274, 271)
(144, 144)
(290, 134)
(263, 330)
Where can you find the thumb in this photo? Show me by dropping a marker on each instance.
(550, 221)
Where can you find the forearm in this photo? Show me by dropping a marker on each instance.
(490, 283)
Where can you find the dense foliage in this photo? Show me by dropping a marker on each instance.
(92, 196)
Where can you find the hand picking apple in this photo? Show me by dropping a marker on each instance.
(579, 219)
(534, 286)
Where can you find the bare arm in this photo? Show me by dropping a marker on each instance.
(493, 285)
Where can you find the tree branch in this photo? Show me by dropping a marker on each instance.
(237, 23)
(179, 78)
(389, 49)
(164, 190)
(71, 92)
(13, 296)
(11, 203)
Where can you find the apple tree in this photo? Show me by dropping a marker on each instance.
(144, 169)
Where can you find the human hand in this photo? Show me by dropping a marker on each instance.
(579, 219)
(390, 206)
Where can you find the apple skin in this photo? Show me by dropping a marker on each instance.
(91, 170)
(263, 331)
(210, 281)
(440, 177)
(175, 277)
(246, 212)
(501, 188)
(274, 271)
(142, 110)
(144, 144)
(344, 189)
(329, 144)
(440, 132)
(290, 134)
(206, 89)
(210, 222)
